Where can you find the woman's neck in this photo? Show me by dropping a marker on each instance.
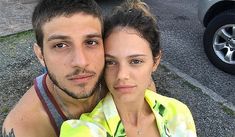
(137, 118)
(133, 112)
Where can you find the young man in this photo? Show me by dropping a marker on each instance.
(70, 46)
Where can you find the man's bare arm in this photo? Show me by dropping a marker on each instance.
(8, 134)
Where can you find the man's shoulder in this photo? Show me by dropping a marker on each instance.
(26, 116)
(28, 102)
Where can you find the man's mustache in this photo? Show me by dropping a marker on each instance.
(80, 71)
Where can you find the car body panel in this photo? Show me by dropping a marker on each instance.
(205, 5)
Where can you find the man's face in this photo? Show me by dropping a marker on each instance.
(73, 53)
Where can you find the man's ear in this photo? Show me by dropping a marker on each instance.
(157, 60)
(38, 52)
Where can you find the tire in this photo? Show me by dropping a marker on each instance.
(219, 41)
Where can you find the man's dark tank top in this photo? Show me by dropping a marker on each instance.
(52, 108)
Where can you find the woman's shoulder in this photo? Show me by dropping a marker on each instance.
(89, 125)
(164, 102)
(175, 114)
(72, 128)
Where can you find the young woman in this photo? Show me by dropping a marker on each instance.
(132, 54)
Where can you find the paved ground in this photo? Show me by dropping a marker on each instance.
(15, 15)
(213, 117)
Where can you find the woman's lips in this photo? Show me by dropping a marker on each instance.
(124, 88)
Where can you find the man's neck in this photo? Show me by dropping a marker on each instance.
(72, 108)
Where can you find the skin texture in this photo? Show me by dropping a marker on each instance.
(74, 56)
(129, 64)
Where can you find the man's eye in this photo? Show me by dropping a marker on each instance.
(136, 61)
(91, 42)
(60, 45)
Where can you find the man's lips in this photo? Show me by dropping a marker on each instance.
(81, 78)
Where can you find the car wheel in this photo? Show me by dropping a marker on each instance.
(219, 41)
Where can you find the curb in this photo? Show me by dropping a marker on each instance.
(217, 98)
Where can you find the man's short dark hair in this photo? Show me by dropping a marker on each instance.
(46, 10)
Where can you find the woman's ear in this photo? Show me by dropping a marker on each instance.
(157, 60)
(38, 52)
(152, 86)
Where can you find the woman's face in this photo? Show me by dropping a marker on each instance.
(128, 64)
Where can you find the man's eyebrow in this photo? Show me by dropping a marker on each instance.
(94, 35)
(63, 37)
(54, 37)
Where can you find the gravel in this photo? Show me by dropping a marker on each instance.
(18, 68)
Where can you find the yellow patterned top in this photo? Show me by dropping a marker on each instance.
(173, 119)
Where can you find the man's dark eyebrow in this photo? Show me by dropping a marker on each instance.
(94, 35)
(54, 37)
(62, 37)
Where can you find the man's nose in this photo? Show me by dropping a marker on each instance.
(79, 58)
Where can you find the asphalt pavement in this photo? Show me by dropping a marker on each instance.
(214, 115)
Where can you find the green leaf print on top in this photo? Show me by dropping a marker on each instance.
(120, 131)
(159, 108)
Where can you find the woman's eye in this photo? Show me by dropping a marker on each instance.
(136, 61)
(109, 62)
(60, 45)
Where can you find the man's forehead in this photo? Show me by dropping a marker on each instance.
(78, 15)
(79, 24)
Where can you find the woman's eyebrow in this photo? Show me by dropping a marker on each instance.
(108, 55)
(131, 56)
(137, 55)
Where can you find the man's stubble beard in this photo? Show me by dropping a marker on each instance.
(71, 93)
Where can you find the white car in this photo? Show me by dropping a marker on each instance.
(218, 16)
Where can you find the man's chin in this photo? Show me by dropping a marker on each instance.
(83, 95)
